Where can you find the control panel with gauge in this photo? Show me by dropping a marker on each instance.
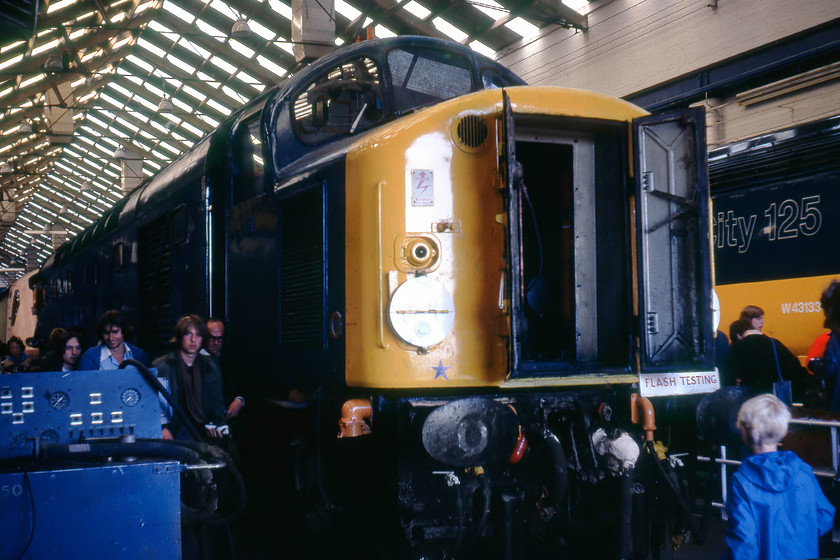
(70, 407)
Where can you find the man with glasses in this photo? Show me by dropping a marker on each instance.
(215, 340)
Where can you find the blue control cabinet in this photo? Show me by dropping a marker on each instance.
(121, 511)
(59, 407)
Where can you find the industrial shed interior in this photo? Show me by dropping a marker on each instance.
(98, 98)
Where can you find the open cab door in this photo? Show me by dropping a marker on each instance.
(673, 255)
(513, 178)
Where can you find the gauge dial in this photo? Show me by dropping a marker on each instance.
(59, 400)
(130, 397)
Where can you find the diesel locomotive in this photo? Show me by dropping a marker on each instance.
(774, 226)
(461, 287)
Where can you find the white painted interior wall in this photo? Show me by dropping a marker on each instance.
(632, 45)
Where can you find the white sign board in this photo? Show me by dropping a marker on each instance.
(678, 383)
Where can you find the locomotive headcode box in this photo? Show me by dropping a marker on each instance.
(70, 407)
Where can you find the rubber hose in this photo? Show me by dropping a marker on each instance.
(689, 516)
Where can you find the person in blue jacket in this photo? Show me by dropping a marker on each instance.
(112, 348)
(777, 510)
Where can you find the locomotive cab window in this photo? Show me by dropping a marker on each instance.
(423, 77)
(343, 101)
(573, 278)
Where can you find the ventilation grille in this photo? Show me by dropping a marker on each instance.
(302, 275)
(471, 132)
(155, 280)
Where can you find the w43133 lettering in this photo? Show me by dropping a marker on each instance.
(786, 220)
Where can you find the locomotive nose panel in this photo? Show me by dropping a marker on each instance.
(470, 432)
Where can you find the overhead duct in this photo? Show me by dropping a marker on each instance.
(313, 28)
(8, 208)
(131, 165)
(58, 114)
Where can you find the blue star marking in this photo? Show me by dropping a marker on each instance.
(440, 370)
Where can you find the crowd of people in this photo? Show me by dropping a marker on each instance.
(776, 507)
(192, 369)
(762, 364)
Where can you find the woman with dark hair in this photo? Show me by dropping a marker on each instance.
(66, 349)
(755, 315)
(195, 381)
(112, 349)
(17, 361)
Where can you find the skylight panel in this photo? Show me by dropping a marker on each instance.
(223, 9)
(144, 6)
(286, 46)
(346, 10)
(182, 105)
(281, 8)
(110, 141)
(208, 29)
(144, 102)
(120, 89)
(159, 127)
(169, 147)
(190, 128)
(481, 48)
(64, 167)
(492, 9)
(206, 78)
(127, 124)
(123, 39)
(60, 5)
(522, 27)
(153, 89)
(576, 5)
(11, 46)
(77, 34)
(45, 47)
(448, 29)
(160, 53)
(180, 64)
(162, 29)
(83, 138)
(189, 90)
(194, 47)
(134, 59)
(250, 80)
(382, 31)
(209, 120)
(275, 69)
(261, 30)
(233, 94)
(177, 11)
(417, 10)
(115, 102)
(218, 106)
(240, 48)
(9, 62)
(223, 64)
(30, 81)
